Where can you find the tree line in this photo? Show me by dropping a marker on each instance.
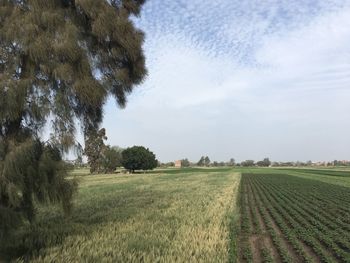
(205, 161)
(105, 158)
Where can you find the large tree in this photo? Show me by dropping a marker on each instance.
(59, 61)
(138, 158)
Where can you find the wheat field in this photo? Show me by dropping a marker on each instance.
(159, 217)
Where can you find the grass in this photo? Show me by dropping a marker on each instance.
(167, 216)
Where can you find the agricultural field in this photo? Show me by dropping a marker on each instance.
(196, 215)
(291, 218)
(171, 215)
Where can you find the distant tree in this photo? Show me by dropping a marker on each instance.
(222, 164)
(111, 158)
(248, 163)
(201, 161)
(185, 163)
(170, 164)
(206, 161)
(138, 158)
(264, 163)
(215, 164)
(94, 147)
(231, 162)
(275, 164)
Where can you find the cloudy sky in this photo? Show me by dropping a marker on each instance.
(242, 79)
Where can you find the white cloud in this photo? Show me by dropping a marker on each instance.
(264, 80)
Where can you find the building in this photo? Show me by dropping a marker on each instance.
(178, 164)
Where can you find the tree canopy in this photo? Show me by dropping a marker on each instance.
(59, 60)
(138, 158)
(248, 163)
(185, 163)
(264, 163)
(204, 161)
(111, 159)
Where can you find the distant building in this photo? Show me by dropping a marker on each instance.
(178, 164)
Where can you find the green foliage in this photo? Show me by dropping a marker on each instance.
(101, 158)
(138, 158)
(264, 163)
(310, 215)
(185, 163)
(204, 161)
(111, 159)
(201, 161)
(231, 162)
(50, 54)
(248, 163)
(31, 172)
(94, 148)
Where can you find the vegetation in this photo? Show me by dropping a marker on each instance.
(94, 149)
(183, 217)
(185, 163)
(248, 163)
(231, 162)
(204, 161)
(111, 159)
(101, 158)
(138, 158)
(264, 163)
(322, 172)
(49, 54)
(293, 219)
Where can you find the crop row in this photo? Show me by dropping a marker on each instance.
(291, 219)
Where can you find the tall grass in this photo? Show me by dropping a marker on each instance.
(183, 217)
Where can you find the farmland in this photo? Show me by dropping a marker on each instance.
(196, 215)
(286, 218)
(165, 216)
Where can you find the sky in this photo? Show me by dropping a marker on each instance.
(241, 79)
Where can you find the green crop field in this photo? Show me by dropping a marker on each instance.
(286, 218)
(196, 215)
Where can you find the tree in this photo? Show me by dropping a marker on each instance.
(185, 163)
(231, 162)
(206, 161)
(201, 161)
(138, 158)
(94, 147)
(111, 159)
(60, 61)
(248, 163)
(264, 163)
